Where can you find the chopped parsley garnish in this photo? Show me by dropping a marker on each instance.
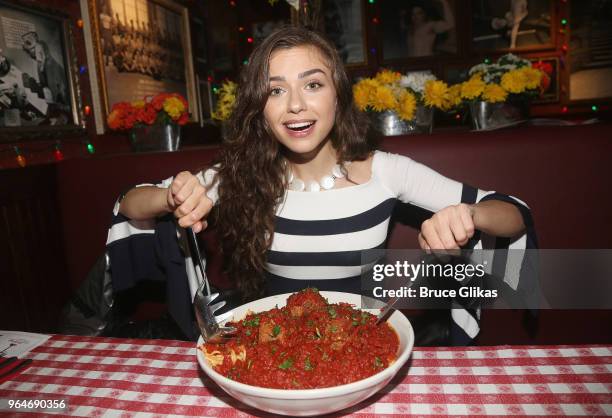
(378, 362)
(355, 323)
(248, 332)
(287, 364)
(276, 330)
(307, 365)
(333, 328)
(251, 322)
(318, 332)
(332, 312)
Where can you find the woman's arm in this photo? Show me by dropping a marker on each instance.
(145, 202)
(497, 218)
(186, 198)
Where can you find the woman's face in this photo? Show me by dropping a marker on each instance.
(301, 104)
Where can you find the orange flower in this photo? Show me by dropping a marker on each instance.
(114, 119)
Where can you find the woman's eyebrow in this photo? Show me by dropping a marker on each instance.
(300, 75)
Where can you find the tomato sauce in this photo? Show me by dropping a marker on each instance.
(307, 344)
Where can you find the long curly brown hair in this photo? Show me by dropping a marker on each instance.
(251, 163)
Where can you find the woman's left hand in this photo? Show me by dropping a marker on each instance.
(448, 229)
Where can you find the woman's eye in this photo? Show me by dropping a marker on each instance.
(275, 91)
(313, 85)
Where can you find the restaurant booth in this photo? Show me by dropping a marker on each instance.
(59, 182)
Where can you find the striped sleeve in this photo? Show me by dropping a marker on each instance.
(418, 185)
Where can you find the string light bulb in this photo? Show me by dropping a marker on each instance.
(87, 110)
(563, 21)
(21, 160)
(594, 108)
(79, 23)
(250, 40)
(564, 109)
(57, 153)
(90, 147)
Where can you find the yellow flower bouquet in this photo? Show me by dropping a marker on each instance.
(411, 98)
(226, 101)
(389, 90)
(509, 78)
(498, 93)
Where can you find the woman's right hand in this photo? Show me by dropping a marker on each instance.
(187, 199)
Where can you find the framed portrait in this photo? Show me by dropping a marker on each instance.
(418, 28)
(506, 25)
(550, 65)
(206, 100)
(141, 48)
(343, 23)
(39, 91)
(590, 67)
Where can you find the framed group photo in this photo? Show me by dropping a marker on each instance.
(418, 28)
(142, 48)
(589, 50)
(39, 91)
(506, 25)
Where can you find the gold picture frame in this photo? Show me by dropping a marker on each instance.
(139, 48)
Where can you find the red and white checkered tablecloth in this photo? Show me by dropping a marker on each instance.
(129, 377)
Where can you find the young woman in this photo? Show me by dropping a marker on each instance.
(299, 190)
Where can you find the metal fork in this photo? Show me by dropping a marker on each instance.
(204, 311)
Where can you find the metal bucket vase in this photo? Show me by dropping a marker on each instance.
(156, 137)
(388, 123)
(489, 116)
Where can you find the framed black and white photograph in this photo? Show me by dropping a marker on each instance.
(343, 23)
(418, 28)
(589, 50)
(39, 92)
(504, 25)
(142, 48)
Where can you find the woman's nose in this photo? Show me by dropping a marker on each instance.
(296, 102)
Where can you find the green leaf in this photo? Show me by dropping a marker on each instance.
(288, 363)
(276, 330)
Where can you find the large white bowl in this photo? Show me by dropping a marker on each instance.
(305, 402)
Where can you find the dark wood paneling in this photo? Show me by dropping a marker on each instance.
(33, 279)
